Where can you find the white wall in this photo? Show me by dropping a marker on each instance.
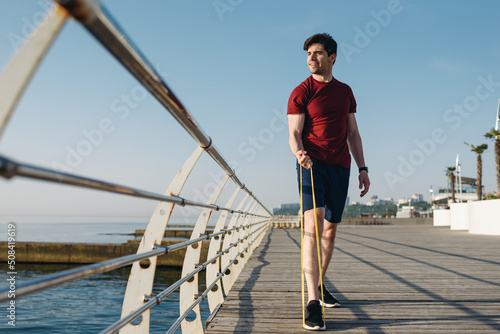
(459, 216)
(484, 217)
(442, 217)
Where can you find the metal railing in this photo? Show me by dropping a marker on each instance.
(241, 235)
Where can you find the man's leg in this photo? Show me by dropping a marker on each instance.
(335, 198)
(311, 267)
(327, 245)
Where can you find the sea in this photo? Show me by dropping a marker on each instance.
(88, 305)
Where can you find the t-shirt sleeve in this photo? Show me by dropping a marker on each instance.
(352, 102)
(296, 102)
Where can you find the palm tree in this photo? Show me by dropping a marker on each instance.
(495, 135)
(479, 150)
(449, 172)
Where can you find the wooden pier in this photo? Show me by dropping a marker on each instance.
(389, 279)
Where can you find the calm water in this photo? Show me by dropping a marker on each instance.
(73, 232)
(91, 304)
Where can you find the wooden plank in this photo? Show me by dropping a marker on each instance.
(389, 279)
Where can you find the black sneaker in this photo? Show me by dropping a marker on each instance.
(314, 317)
(330, 300)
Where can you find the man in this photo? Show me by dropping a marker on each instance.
(323, 131)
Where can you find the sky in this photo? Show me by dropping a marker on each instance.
(425, 75)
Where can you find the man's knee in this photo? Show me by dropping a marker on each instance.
(310, 221)
(329, 231)
(320, 214)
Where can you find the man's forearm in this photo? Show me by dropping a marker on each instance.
(296, 145)
(356, 148)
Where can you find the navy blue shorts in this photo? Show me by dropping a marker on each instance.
(331, 183)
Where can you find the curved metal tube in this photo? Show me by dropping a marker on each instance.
(101, 25)
(10, 168)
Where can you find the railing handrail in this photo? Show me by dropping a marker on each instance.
(108, 33)
(10, 168)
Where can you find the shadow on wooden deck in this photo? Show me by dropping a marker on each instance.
(389, 279)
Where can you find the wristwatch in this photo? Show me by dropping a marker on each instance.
(363, 168)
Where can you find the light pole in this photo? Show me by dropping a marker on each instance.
(498, 115)
(460, 181)
(459, 174)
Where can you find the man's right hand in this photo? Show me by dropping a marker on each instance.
(303, 159)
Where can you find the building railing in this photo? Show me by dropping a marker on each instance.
(231, 243)
(286, 221)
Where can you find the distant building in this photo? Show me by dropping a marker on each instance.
(287, 209)
(372, 200)
(376, 201)
(417, 198)
(443, 197)
(402, 201)
(389, 200)
(405, 212)
(290, 206)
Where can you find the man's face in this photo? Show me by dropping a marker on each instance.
(318, 60)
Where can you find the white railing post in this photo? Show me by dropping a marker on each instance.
(215, 296)
(243, 232)
(189, 290)
(140, 282)
(258, 239)
(23, 65)
(228, 239)
(229, 279)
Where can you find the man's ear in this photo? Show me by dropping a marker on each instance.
(333, 57)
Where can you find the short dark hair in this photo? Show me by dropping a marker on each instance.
(328, 43)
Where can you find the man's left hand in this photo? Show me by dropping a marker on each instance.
(364, 181)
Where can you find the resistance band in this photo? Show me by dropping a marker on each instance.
(302, 248)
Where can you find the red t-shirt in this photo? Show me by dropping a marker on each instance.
(326, 106)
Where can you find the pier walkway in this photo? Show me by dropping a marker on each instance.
(389, 279)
